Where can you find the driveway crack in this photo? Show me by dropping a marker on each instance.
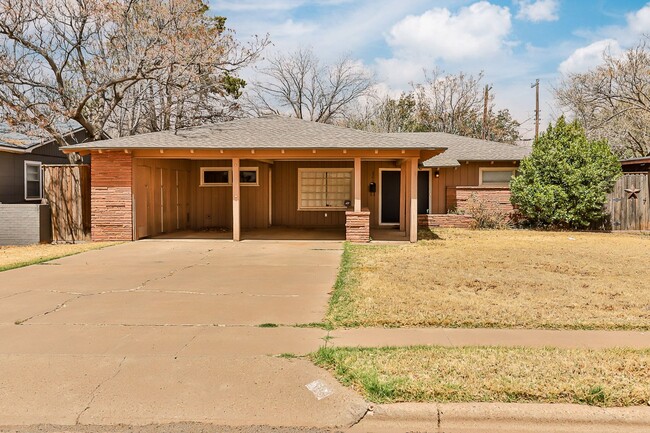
(94, 393)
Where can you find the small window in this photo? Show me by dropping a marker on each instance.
(324, 189)
(248, 176)
(33, 188)
(496, 176)
(213, 176)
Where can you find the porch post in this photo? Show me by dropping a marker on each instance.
(413, 226)
(236, 230)
(357, 184)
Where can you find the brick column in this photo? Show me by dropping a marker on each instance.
(110, 196)
(357, 226)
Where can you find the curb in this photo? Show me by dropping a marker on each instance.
(512, 413)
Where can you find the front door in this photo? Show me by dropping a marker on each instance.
(390, 195)
(423, 192)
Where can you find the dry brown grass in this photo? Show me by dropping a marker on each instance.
(515, 279)
(17, 256)
(612, 377)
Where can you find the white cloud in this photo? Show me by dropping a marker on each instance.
(639, 21)
(539, 10)
(477, 31)
(588, 57)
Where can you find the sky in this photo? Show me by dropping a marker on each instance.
(514, 42)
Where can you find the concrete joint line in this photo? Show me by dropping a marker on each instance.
(94, 393)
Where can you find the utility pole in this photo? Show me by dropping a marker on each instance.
(536, 86)
(485, 111)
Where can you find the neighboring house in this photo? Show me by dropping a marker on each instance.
(636, 165)
(21, 157)
(254, 174)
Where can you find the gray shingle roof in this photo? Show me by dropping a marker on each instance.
(461, 148)
(25, 139)
(271, 132)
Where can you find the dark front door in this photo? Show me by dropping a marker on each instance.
(423, 192)
(390, 186)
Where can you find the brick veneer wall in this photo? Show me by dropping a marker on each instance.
(445, 220)
(458, 196)
(24, 224)
(357, 226)
(111, 202)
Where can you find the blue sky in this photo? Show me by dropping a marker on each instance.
(512, 41)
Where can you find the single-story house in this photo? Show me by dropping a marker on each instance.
(21, 156)
(258, 174)
(636, 165)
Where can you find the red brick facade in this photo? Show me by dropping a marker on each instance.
(458, 196)
(445, 220)
(111, 197)
(357, 226)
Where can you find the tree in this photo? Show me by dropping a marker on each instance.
(122, 66)
(452, 103)
(612, 100)
(299, 83)
(565, 181)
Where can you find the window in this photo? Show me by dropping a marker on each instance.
(324, 189)
(33, 190)
(215, 176)
(248, 176)
(496, 176)
(222, 176)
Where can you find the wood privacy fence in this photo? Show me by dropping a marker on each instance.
(67, 190)
(629, 203)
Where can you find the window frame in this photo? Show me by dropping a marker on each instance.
(230, 176)
(40, 180)
(323, 169)
(482, 170)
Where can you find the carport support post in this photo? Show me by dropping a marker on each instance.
(357, 184)
(236, 224)
(413, 226)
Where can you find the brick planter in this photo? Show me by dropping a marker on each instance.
(357, 226)
(445, 221)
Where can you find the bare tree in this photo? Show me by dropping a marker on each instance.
(612, 101)
(125, 65)
(452, 103)
(297, 82)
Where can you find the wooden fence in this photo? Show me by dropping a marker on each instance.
(67, 190)
(629, 203)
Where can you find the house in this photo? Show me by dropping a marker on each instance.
(468, 167)
(260, 174)
(636, 165)
(24, 218)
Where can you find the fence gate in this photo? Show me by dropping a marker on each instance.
(629, 203)
(67, 190)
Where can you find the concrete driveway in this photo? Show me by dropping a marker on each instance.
(166, 331)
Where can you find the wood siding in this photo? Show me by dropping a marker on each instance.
(211, 206)
(465, 175)
(285, 196)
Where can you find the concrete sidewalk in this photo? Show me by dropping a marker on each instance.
(378, 337)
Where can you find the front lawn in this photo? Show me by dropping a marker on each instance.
(612, 377)
(12, 257)
(506, 279)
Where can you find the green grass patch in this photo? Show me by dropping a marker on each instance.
(606, 378)
(267, 325)
(318, 325)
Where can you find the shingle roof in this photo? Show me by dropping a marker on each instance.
(461, 148)
(271, 132)
(25, 139)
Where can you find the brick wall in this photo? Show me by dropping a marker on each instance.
(357, 226)
(111, 201)
(445, 220)
(24, 224)
(458, 196)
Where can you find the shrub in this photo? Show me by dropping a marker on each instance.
(565, 181)
(486, 214)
